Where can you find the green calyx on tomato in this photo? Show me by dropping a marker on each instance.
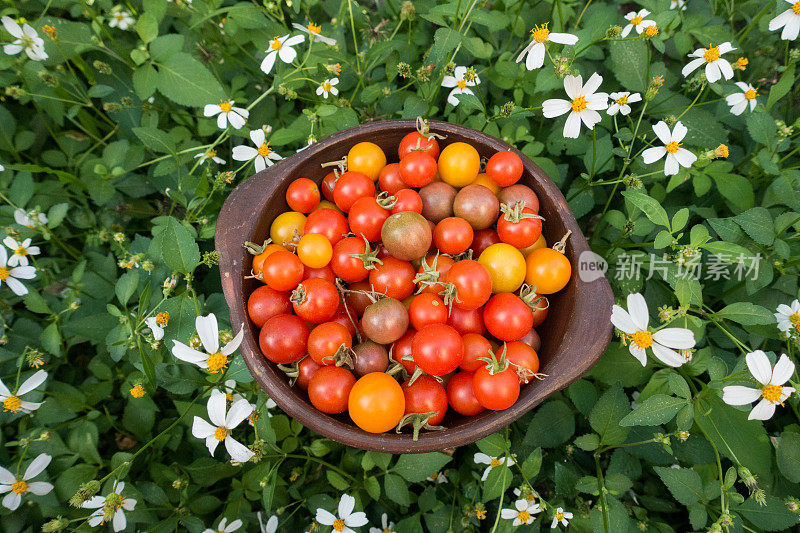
(528, 295)
(429, 277)
(515, 213)
(369, 257)
(494, 364)
(385, 200)
(254, 248)
(419, 421)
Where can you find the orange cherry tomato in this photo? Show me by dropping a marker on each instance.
(459, 164)
(376, 402)
(314, 250)
(547, 270)
(367, 158)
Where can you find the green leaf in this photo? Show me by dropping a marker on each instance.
(773, 516)
(147, 27)
(656, 410)
(757, 223)
(762, 127)
(185, 81)
(35, 303)
(497, 482)
(145, 81)
(155, 139)
(176, 246)
(531, 466)
(419, 467)
(494, 445)
(788, 456)
(396, 490)
(782, 88)
(629, 63)
(444, 41)
(649, 206)
(166, 45)
(605, 418)
(684, 484)
(746, 314)
(126, 286)
(336, 480)
(552, 425)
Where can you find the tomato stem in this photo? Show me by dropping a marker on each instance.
(561, 245)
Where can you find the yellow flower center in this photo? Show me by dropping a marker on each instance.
(794, 318)
(4, 273)
(540, 33)
(119, 16)
(672, 147)
(750, 94)
(772, 393)
(461, 84)
(622, 100)
(12, 403)
(314, 28)
(225, 105)
(712, 54)
(326, 86)
(579, 104)
(495, 462)
(137, 391)
(651, 31)
(216, 362)
(276, 44)
(387, 530)
(338, 525)
(796, 8)
(162, 318)
(643, 339)
(742, 62)
(264, 150)
(636, 20)
(21, 251)
(480, 514)
(523, 516)
(721, 151)
(20, 487)
(560, 516)
(221, 433)
(229, 396)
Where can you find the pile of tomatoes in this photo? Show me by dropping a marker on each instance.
(398, 291)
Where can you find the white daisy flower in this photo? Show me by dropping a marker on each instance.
(460, 81)
(263, 155)
(529, 494)
(675, 4)
(346, 518)
(281, 47)
(483, 459)
(12, 276)
(711, 57)
(26, 39)
(739, 101)
(561, 516)
(119, 503)
(16, 487)
(788, 316)
(311, 140)
(157, 324)
(225, 527)
(583, 105)
(222, 424)
(638, 21)
(522, 513)
(21, 251)
(2, 168)
(328, 87)
(676, 156)
(29, 219)
(313, 30)
(634, 323)
(438, 477)
(789, 20)
(387, 527)
(770, 380)
(270, 527)
(13, 403)
(226, 112)
(121, 20)
(535, 51)
(210, 154)
(620, 101)
(213, 359)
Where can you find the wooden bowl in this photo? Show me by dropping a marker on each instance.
(574, 335)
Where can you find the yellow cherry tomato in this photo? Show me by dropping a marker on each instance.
(314, 250)
(459, 164)
(506, 267)
(368, 158)
(286, 226)
(484, 180)
(547, 270)
(540, 243)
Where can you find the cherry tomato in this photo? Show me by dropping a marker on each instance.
(532, 339)
(506, 266)
(283, 339)
(328, 204)
(389, 179)
(357, 300)
(341, 317)
(286, 226)
(306, 367)
(541, 242)
(548, 270)
(483, 239)
(258, 260)
(283, 271)
(461, 396)
(302, 195)
(314, 250)
(504, 168)
(472, 282)
(496, 391)
(427, 309)
(540, 311)
(376, 403)
(416, 142)
(524, 360)
(406, 200)
(507, 317)
(522, 233)
(437, 349)
(484, 180)
(452, 235)
(438, 265)
(343, 263)
(350, 187)
(264, 303)
(459, 164)
(325, 340)
(325, 273)
(315, 300)
(366, 218)
(475, 346)
(426, 395)
(367, 158)
(394, 278)
(417, 169)
(329, 223)
(466, 320)
(329, 389)
(328, 184)
(403, 347)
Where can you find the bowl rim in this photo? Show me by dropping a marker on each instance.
(581, 333)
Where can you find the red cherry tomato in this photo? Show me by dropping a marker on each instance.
(366, 218)
(329, 389)
(496, 391)
(325, 273)
(350, 187)
(328, 222)
(475, 346)
(325, 340)
(438, 265)
(452, 235)
(394, 278)
(402, 347)
(343, 263)
(507, 317)
(415, 141)
(461, 396)
(504, 168)
(406, 200)
(540, 311)
(467, 320)
(522, 233)
(524, 360)
(483, 239)
(427, 309)
(315, 300)
(328, 184)
(306, 368)
(389, 179)
(472, 282)
(302, 195)
(344, 319)
(418, 169)
(264, 303)
(356, 300)
(283, 271)
(283, 339)
(437, 349)
(426, 395)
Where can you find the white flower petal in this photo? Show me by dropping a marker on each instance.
(637, 308)
(759, 366)
(762, 411)
(201, 428)
(572, 127)
(783, 370)
(667, 355)
(555, 107)
(239, 410)
(677, 338)
(739, 395)
(243, 153)
(208, 331)
(185, 353)
(37, 466)
(662, 132)
(651, 155)
(573, 86)
(32, 382)
(238, 451)
(216, 407)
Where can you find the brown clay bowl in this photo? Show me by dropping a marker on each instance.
(575, 334)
